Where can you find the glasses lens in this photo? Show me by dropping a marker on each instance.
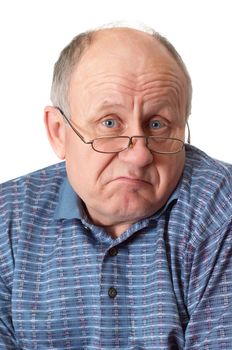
(110, 144)
(164, 145)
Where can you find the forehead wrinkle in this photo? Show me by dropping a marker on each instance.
(101, 79)
(162, 89)
(168, 98)
(165, 77)
(136, 84)
(161, 101)
(133, 84)
(163, 85)
(128, 78)
(172, 82)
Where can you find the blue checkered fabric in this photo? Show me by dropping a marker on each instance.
(164, 284)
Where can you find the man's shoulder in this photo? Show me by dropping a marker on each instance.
(205, 176)
(31, 188)
(198, 162)
(50, 174)
(205, 193)
(26, 201)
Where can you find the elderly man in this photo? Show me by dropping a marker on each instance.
(126, 244)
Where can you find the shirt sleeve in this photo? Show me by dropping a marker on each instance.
(7, 237)
(209, 297)
(7, 337)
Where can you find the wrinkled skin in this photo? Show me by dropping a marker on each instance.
(126, 83)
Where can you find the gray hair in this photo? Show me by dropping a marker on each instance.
(72, 53)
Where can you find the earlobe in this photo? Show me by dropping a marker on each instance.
(55, 128)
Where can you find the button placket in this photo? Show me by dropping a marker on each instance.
(112, 291)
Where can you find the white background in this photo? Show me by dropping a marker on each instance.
(32, 33)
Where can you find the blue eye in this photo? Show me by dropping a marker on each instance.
(110, 123)
(155, 124)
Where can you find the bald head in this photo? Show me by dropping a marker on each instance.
(126, 45)
(135, 46)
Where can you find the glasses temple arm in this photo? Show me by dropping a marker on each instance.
(70, 124)
(189, 136)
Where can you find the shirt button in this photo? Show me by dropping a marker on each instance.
(113, 251)
(112, 292)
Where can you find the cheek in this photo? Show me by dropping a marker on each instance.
(76, 164)
(85, 167)
(170, 168)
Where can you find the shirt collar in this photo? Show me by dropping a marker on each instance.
(174, 197)
(70, 205)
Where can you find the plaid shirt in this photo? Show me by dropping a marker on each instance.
(165, 283)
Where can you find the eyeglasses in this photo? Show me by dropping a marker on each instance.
(116, 144)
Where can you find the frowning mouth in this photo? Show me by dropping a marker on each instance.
(131, 180)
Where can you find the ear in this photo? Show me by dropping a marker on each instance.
(55, 128)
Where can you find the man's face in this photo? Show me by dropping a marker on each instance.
(125, 84)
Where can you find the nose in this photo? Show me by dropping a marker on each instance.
(137, 153)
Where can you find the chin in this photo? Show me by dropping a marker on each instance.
(134, 208)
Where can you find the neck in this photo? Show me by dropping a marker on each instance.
(117, 230)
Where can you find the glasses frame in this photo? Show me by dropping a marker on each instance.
(130, 138)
